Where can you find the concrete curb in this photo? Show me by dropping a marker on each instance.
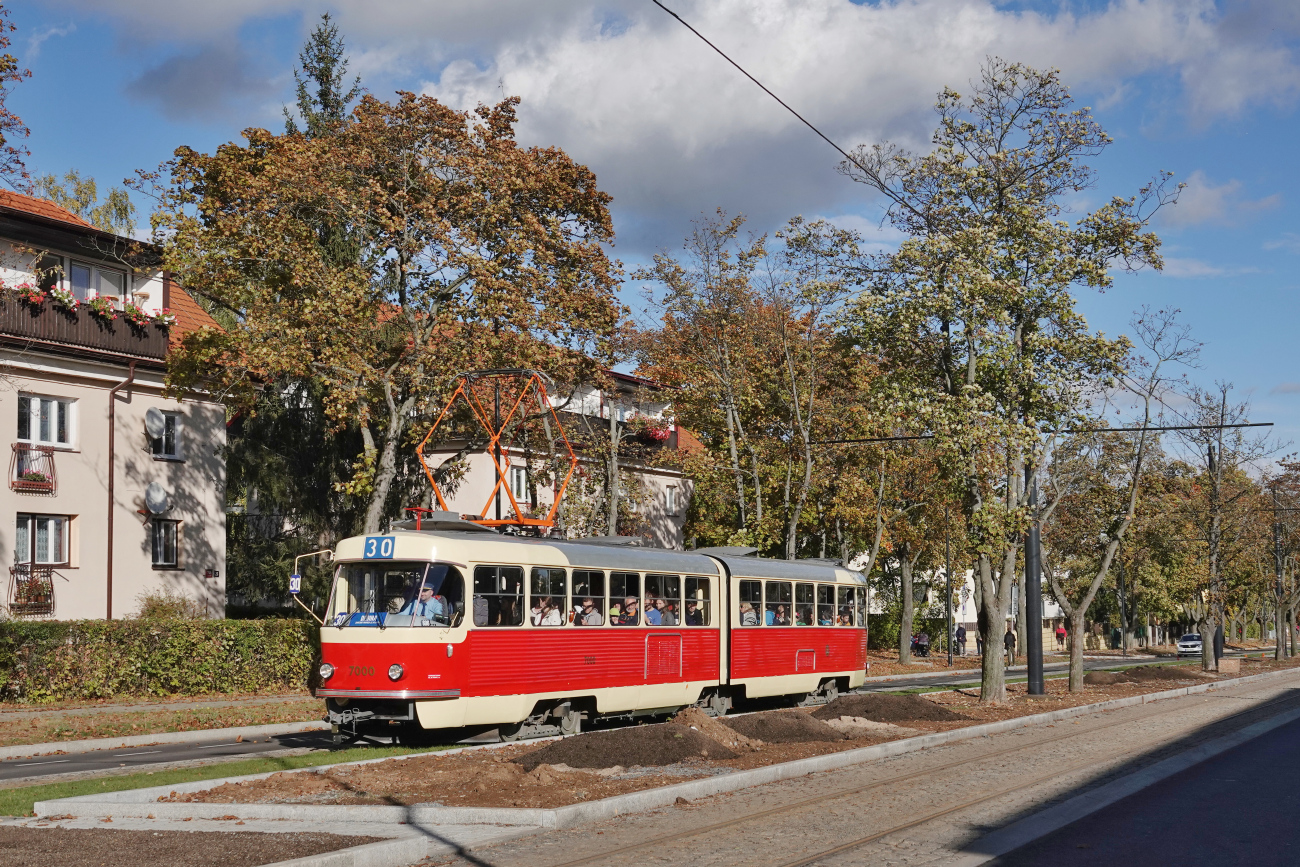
(23, 751)
(142, 803)
(397, 852)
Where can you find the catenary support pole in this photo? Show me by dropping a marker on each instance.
(1033, 592)
(947, 572)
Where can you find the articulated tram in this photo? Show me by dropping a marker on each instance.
(455, 625)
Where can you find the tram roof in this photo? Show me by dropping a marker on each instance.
(480, 547)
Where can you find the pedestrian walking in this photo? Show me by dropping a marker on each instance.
(1060, 636)
(961, 640)
(1009, 642)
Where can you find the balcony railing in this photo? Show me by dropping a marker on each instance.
(31, 470)
(53, 326)
(31, 590)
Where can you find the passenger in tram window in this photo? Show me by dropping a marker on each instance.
(590, 616)
(535, 614)
(779, 596)
(615, 612)
(654, 608)
(629, 616)
(550, 613)
(480, 610)
(669, 616)
(747, 615)
(803, 616)
(694, 617)
(825, 605)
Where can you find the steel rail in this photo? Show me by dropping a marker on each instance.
(925, 772)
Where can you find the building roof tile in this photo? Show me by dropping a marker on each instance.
(41, 208)
(189, 315)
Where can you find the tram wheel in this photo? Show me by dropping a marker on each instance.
(571, 723)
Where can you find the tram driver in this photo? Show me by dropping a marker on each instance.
(428, 605)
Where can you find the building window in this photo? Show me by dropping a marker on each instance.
(48, 267)
(519, 483)
(41, 539)
(670, 500)
(165, 543)
(44, 420)
(169, 444)
(84, 279)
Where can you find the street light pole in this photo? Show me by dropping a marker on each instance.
(1033, 591)
(1278, 623)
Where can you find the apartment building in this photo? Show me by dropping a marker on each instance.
(114, 491)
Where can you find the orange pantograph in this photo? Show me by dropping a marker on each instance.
(511, 395)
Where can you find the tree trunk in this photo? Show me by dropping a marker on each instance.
(385, 473)
(1206, 628)
(1076, 621)
(1279, 627)
(1291, 629)
(993, 678)
(905, 625)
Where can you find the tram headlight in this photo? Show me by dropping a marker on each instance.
(326, 671)
(395, 672)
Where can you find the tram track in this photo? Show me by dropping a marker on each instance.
(1264, 710)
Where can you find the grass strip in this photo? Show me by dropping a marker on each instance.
(18, 801)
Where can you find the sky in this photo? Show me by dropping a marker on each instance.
(1209, 91)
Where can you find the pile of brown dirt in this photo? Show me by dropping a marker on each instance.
(783, 727)
(1161, 672)
(1106, 678)
(693, 717)
(647, 746)
(882, 707)
(857, 727)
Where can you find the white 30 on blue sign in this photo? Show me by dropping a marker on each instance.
(379, 548)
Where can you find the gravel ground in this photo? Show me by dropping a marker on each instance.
(46, 847)
(1025, 770)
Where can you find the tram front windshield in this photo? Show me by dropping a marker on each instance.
(394, 589)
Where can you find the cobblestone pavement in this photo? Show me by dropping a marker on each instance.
(970, 788)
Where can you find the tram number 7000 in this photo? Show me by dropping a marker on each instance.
(361, 670)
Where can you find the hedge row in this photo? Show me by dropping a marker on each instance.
(92, 659)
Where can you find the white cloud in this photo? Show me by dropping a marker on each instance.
(1204, 202)
(1286, 388)
(673, 131)
(1185, 267)
(39, 38)
(1290, 241)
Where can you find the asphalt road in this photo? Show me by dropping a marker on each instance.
(1237, 808)
(142, 756)
(224, 748)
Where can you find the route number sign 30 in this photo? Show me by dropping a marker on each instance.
(379, 548)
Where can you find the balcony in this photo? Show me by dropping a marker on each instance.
(31, 590)
(31, 470)
(51, 327)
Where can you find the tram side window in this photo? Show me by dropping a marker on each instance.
(548, 594)
(589, 598)
(663, 600)
(805, 604)
(847, 602)
(825, 605)
(860, 610)
(696, 606)
(751, 603)
(779, 603)
(624, 598)
(498, 596)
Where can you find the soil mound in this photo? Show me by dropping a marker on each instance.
(693, 717)
(1106, 678)
(857, 727)
(648, 746)
(882, 707)
(783, 727)
(1161, 672)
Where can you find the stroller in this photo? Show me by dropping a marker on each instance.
(921, 645)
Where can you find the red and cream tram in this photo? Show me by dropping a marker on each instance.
(455, 625)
